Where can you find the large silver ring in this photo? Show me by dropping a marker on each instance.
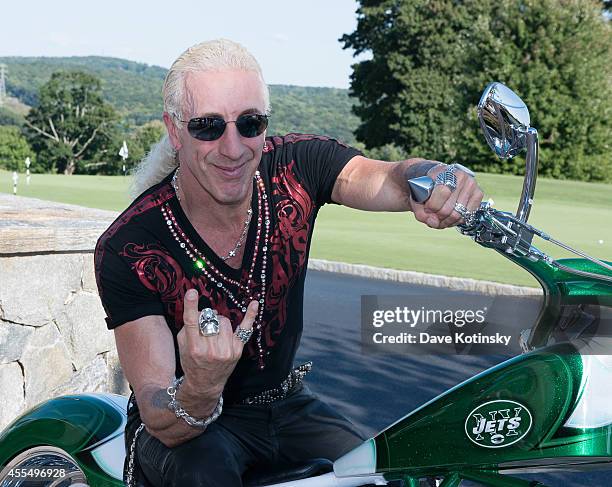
(455, 165)
(447, 178)
(208, 322)
(243, 334)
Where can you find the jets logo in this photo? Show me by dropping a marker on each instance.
(497, 424)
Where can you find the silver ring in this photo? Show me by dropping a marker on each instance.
(462, 210)
(208, 322)
(447, 178)
(455, 165)
(243, 334)
(467, 215)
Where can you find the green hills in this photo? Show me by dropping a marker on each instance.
(135, 90)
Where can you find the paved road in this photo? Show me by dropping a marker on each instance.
(376, 390)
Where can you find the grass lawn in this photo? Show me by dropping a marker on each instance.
(579, 214)
(106, 192)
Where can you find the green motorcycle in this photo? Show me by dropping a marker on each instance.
(548, 409)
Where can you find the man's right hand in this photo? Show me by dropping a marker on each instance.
(208, 361)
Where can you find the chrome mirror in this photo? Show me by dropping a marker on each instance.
(504, 119)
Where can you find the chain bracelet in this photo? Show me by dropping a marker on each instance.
(129, 480)
(180, 413)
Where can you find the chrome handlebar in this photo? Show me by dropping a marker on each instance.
(506, 232)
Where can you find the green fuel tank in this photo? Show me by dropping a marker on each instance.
(548, 407)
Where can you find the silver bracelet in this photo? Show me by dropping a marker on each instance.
(180, 413)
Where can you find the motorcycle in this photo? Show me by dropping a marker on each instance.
(544, 410)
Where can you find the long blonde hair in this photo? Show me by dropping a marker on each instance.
(212, 55)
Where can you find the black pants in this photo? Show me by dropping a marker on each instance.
(298, 428)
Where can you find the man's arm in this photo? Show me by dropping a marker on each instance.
(146, 353)
(369, 184)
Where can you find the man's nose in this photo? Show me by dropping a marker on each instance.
(230, 143)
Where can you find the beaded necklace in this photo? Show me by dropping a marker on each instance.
(243, 295)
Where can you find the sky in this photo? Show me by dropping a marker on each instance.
(296, 42)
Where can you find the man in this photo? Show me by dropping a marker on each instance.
(202, 276)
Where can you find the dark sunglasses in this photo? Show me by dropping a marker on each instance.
(211, 128)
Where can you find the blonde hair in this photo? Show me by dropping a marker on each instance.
(212, 55)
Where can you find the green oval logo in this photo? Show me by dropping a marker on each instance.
(497, 424)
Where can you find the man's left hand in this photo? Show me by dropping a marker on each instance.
(439, 210)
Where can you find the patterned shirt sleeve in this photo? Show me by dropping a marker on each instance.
(123, 296)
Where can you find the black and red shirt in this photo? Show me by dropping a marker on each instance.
(142, 269)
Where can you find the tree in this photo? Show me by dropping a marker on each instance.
(9, 117)
(431, 59)
(139, 141)
(143, 138)
(14, 149)
(71, 122)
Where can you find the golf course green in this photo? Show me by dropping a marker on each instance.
(577, 213)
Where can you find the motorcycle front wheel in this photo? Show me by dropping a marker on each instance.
(42, 465)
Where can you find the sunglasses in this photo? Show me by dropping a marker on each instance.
(211, 128)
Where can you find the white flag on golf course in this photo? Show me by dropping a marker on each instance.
(123, 152)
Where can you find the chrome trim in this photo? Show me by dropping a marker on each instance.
(555, 464)
(531, 174)
(578, 272)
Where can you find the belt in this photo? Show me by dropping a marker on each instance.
(279, 393)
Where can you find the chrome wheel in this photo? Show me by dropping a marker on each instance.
(43, 466)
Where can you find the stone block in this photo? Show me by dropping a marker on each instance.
(83, 328)
(89, 275)
(33, 289)
(11, 386)
(46, 364)
(13, 339)
(91, 378)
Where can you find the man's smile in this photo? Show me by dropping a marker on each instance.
(231, 171)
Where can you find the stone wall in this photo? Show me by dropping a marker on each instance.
(53, 338)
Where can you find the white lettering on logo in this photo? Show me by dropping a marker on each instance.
(501, 429)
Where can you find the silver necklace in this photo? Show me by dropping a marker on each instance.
(232, 253)
(245, 229)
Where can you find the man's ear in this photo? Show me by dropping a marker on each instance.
(173, 132)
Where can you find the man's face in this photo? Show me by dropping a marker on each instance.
(224, 167)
